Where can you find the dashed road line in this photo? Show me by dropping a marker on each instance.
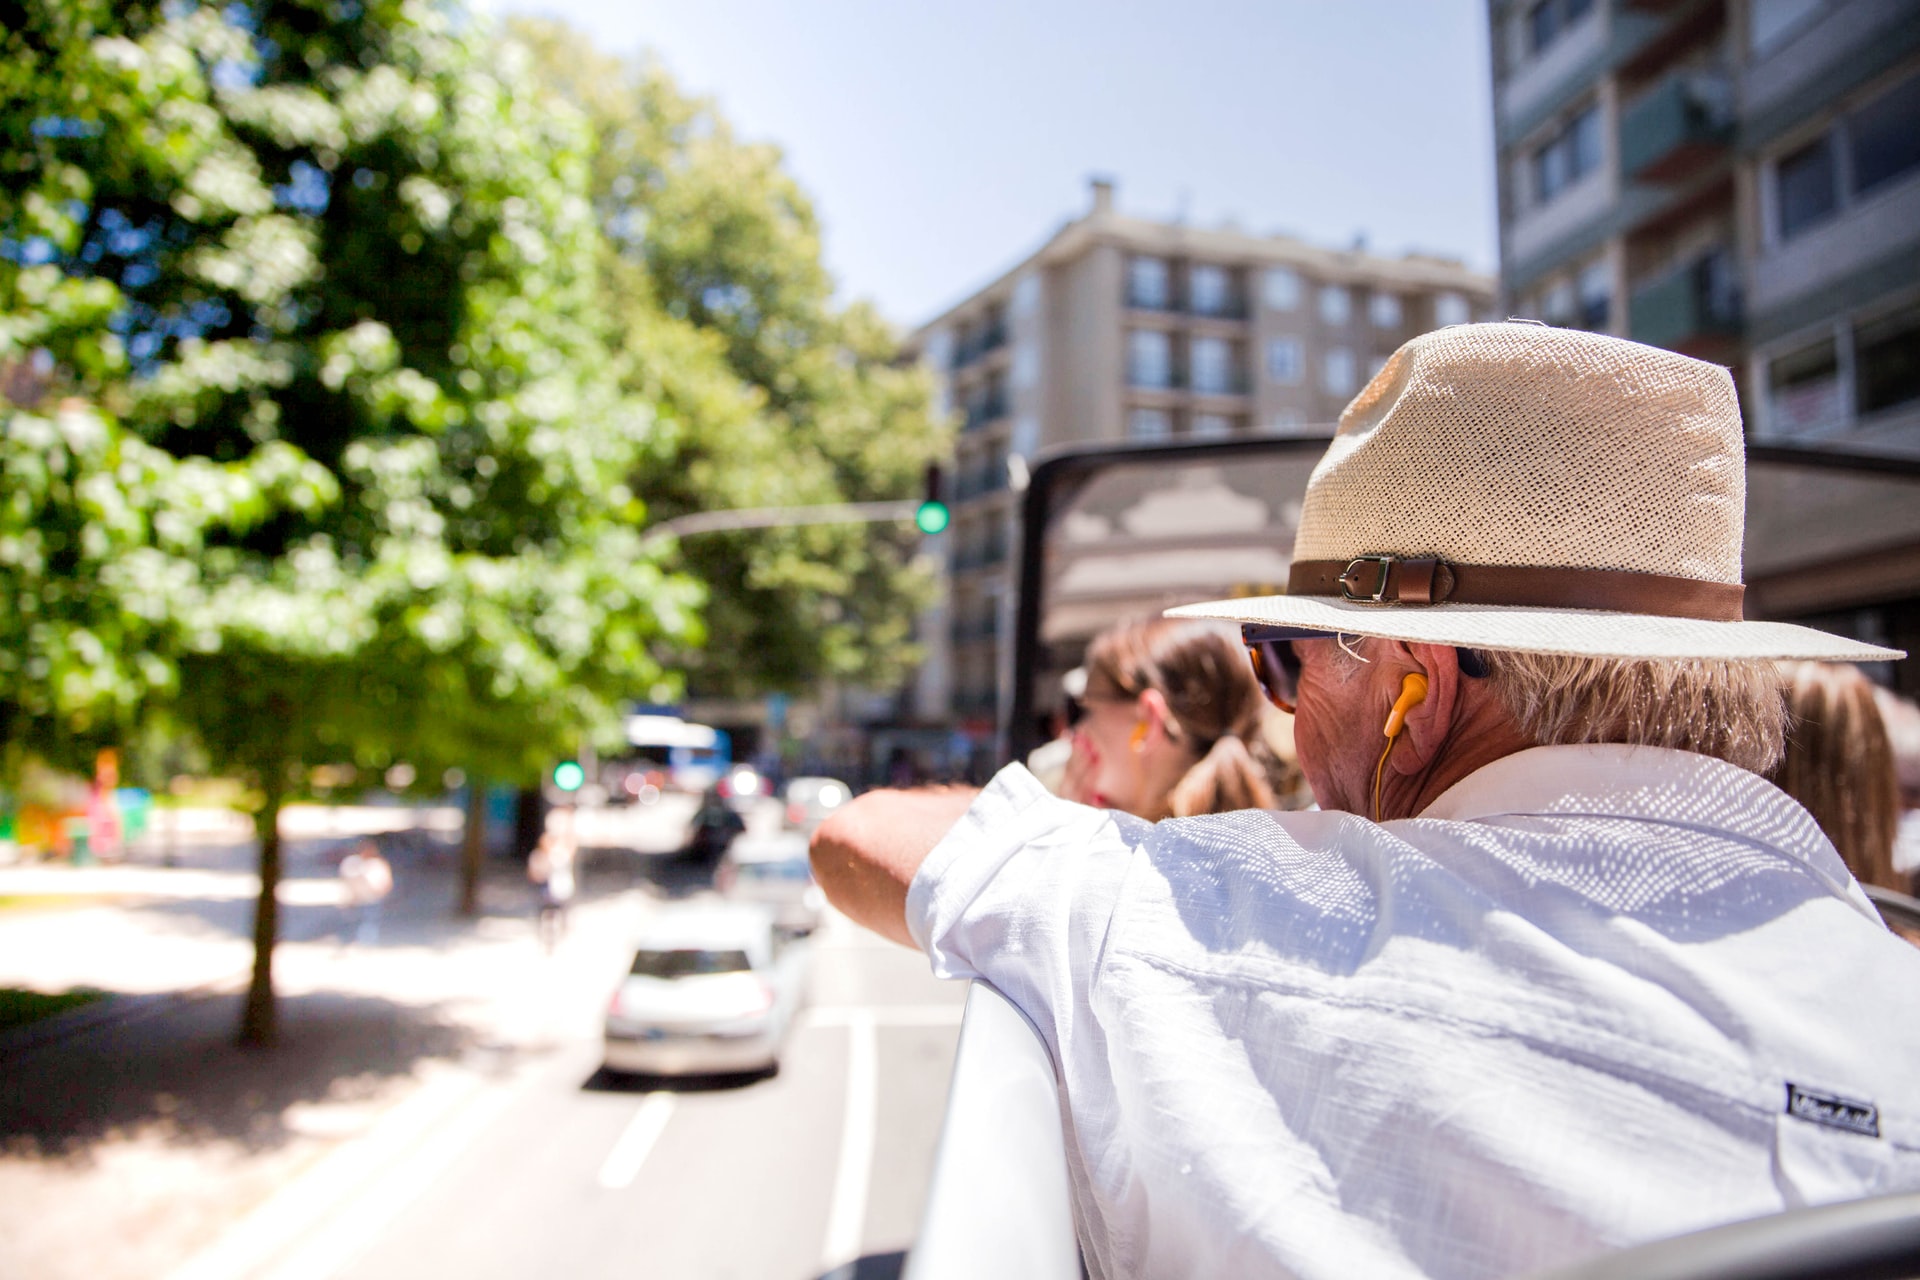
(635, 1142)
(847, 1214)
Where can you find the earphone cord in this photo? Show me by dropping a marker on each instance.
(1379, 771)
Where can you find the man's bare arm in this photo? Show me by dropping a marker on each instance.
(865, 854)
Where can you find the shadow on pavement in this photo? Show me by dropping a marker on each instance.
(178, 1074)
(875, 1266)
(606, 1081)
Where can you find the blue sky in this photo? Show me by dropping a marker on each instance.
(941, 143)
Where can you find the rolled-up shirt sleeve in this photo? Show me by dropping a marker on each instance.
(1021, 892)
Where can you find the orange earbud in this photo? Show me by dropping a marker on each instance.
(1413, 692)
(1139, 738)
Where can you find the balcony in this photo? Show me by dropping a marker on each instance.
(1700, 301)
(984, 410)
(976, 345)
(1677, 127)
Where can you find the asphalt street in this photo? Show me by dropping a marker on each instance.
(437, 1106)
(586, 1174)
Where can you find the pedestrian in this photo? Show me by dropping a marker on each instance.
(1555, 970)
(550, 868)
(1839, 764)
(1172, 723)
(367, 879)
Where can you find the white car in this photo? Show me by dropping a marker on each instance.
(810, 800)
(713, 989)
(773, 871)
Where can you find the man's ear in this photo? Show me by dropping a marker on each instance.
(1428, 722)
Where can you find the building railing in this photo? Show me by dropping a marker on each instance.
(976, 345)
(1235, 309)
(1699, 300)
(986, 409)
(1684, 120)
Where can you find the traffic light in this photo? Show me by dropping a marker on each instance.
(932, 515)
(568, 775)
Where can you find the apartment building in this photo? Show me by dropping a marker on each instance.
(1120, 328)
(1738, 180)
(1735, 179)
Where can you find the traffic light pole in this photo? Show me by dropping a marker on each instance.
(783, 517)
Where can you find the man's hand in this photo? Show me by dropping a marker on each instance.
(866, 853)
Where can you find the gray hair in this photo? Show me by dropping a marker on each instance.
(1732, 710)
(1729, 709)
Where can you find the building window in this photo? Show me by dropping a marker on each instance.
(1557, 307)
(1595, 290)
(1149, 359)
(1282, 288)
(1886, 361)
(1385, 310)
(1880, 142)
(1212, 425)
(1336, 305)
(1288, 421)
(1336, 372)
(1568, 156)
(1770, 21)
(1213, 365)
(1147, 283)
(1284, 362)
(1548, 20)
(1806, 187)
(1209, 291)
(1149, 424)
(1803, 389)
(1449, 308)
(1884, 136)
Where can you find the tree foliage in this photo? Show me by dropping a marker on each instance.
(338, 256)
(360, 486)
(769, 392)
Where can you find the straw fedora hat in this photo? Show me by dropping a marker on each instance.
(1514, 486)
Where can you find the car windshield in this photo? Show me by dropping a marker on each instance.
(688, 964)
(796, 869)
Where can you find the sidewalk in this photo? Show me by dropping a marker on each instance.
(130, 1145)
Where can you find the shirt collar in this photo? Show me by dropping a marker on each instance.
(1651, 784)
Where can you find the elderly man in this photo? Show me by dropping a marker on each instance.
(1553, 970)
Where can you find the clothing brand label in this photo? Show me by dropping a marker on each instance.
(1834, 1112)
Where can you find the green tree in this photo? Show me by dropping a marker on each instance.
(342, 250)
(769, 392)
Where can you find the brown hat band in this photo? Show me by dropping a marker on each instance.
(1392, 580)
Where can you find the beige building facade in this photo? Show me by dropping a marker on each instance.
(1120, 329)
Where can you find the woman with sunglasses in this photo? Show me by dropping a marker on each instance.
(1171, 724)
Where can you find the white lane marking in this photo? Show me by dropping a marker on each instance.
(847, 1215)
(635, 1143)
(884, 1015)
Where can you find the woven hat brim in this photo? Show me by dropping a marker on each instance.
(1586, 632)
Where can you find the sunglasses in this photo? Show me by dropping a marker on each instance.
(1276, 667)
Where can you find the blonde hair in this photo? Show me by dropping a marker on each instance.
(1216, 705)
(1729, 709)
(1839, 764)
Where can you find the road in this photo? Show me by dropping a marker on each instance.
(436, 1105)
(587, 1175)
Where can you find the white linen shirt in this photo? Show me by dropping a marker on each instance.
(1562, 1011)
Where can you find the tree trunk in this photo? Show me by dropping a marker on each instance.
(257, 1022)
(473, 847)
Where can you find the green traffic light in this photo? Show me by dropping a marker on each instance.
(568, 775)
(932, 517)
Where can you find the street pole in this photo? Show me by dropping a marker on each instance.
(782, 518)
